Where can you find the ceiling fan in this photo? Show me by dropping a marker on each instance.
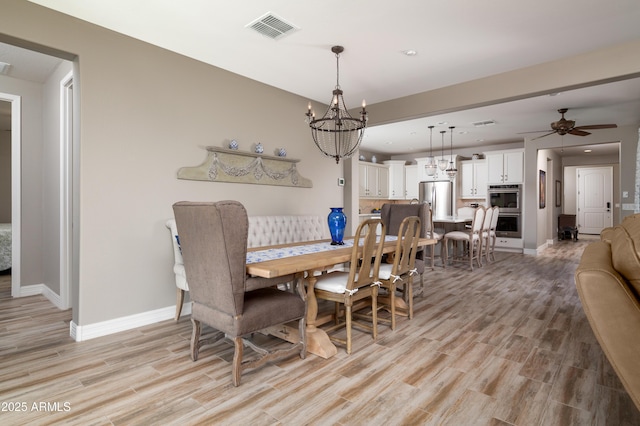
(564, 126)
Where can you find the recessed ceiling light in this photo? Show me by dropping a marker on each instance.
(554, 94)
(410, 52)
(463, 132)
(442, 123)
(389, 142)
(587, 151)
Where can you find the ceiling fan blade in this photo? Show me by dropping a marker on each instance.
(551, 133)
(597, 126)
(577, 132)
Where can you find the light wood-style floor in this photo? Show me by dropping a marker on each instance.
(507, 344)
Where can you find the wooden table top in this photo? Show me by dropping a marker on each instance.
(307, 262)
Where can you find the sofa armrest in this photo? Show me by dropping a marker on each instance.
(613, 312)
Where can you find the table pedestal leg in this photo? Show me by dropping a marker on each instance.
(318, 342)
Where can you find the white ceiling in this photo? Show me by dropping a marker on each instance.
(456, 41)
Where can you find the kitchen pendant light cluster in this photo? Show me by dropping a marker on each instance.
(337, 134)
(432, 165)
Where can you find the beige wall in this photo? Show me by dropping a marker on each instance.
(31, 180)
(51, 175)
(144, 113)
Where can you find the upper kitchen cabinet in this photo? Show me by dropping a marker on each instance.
(505, 166)
(473, 179)
(396, 179)
(374, 180)
(411, 182)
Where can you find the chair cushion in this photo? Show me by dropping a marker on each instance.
(459, 235)
(262, 308)
(385, 270)
(334, 282)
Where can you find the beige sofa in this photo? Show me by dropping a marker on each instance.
(608, 283)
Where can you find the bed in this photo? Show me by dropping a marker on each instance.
(5, 246)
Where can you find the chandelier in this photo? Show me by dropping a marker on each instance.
(431, 167)
(451, 171)
(337, 134)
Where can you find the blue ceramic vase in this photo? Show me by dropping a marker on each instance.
(337, 222)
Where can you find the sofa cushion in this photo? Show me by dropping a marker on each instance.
(625, 251)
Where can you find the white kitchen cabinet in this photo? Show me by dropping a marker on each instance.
(374, 180)
(396, 179)
(505, 167)
(473, 176)
(411, 182)
(510, 244)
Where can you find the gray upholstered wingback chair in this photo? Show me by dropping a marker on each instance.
(213, 238)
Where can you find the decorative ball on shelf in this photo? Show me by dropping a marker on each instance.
(259, 148)
(374, 159)
(282, 152)
(233, 144)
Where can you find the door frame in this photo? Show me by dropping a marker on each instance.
(66, 188)
(16, 188)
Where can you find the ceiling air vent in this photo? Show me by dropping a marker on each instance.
(484, 123)
(272, 26)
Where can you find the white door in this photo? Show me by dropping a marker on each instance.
(595, 199)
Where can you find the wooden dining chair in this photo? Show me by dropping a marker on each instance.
(360, 283)
(471, 240)
(491, 257)
(401, 271)
(485, 235)
(213, 239)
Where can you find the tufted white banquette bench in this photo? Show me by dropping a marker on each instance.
(263, 231)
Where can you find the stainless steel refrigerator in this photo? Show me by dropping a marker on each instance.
(439, 195)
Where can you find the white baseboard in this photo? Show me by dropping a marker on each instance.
(35, 289)
(90, 331)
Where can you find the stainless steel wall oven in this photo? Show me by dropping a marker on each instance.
(509, 199)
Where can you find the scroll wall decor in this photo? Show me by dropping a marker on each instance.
(227, 165)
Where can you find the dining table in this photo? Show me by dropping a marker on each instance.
(306, 260)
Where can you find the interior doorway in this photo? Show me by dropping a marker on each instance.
(42, 164)
(595, 199)
(15, 111)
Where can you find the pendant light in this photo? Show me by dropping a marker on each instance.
(442, 162)
(431, 168)
(451, 171)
